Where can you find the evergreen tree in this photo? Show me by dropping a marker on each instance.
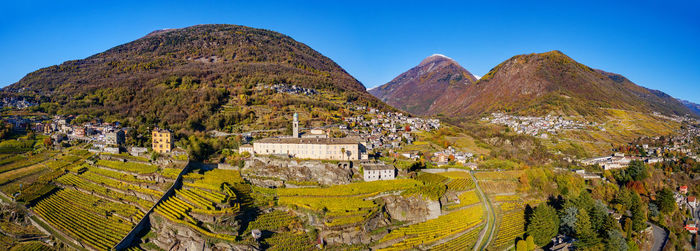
(598, 214)
(615, 241)
(584, 201)
(544, 224)
(665, 201)
(639, 217)
(567, 224)
(584, 233)
(637, 170)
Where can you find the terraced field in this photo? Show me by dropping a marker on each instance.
(209, 193)
(178, 208)
(456, 181)
(465, 199)
(75, 214)
(510, 227)
(93, 205)
(465, 241)
(428, 232)
(342, 205)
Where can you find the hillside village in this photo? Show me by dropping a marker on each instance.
(367, 148)
(650, 150)
(543, 127)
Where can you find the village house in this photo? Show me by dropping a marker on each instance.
(161, 140)
(683, 189)
(114, 138)
(378, 171)
(245, 148)
(137, 151)
(692, 201)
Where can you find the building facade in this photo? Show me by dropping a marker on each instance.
(246, 148)
(310, 148)
(161, 140)
(114, 138)
(372, 172)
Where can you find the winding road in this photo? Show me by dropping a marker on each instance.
(490, 228)
(660, 237)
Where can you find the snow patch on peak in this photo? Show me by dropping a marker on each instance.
(476, 76)
(440, 55)
(434, 58)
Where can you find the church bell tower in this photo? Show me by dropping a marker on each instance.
(295, 126)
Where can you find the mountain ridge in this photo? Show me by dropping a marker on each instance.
(540, 83)
(181, 78)
(433, 82)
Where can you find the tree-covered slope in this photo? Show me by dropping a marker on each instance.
(542, 83)
(181, 78)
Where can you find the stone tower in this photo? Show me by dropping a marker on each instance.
(295, 126)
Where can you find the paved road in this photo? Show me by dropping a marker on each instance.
(660, 237)
(481, 244)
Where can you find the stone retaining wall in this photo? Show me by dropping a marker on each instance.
(145, 221)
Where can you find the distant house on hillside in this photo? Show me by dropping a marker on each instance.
(692, 201)
(113, 138)
(562, 243)
(245, 148)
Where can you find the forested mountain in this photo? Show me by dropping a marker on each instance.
(434, 83)
(183, 78)
(540, 83)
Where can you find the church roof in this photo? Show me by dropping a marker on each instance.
(319, 141)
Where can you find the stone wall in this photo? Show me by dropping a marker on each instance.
(145, 221)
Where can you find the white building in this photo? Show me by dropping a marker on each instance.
(245, 148)
(310, 148)
(372, 172)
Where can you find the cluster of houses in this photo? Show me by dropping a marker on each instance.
(537, 126)
(21, 124)
(104, 137)
(16, 102)
(288, 89)
(651, 155)
(450, 154)
(387, 130)
(617, 160)
(316, 144)
(614, 161)
(683, 201)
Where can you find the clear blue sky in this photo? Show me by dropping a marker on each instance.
(654, 44)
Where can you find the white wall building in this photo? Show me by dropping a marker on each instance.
(372, 172)
(310, 148)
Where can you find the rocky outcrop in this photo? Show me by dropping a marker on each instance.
(412, 209)
(271, 171)
(363, 234)
(170, 236)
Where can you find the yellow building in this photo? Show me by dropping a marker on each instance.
(162, 140)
